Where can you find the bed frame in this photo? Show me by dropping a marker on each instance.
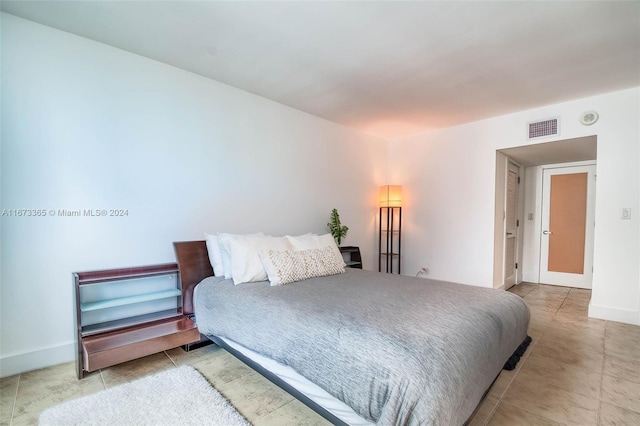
(194, 266)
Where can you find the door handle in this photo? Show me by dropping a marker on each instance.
(509, 233)
(545, 232)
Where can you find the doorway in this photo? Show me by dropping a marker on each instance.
(567, 227)
(533, 159)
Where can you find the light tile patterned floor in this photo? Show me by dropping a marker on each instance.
(577, 371)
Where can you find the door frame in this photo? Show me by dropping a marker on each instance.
(499, 229)
(590, 230)
(517, 275)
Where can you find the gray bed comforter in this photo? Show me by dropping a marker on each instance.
(398, 350)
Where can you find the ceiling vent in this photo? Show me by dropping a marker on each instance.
(544, 128)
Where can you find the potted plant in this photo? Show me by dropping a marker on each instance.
(338, 231)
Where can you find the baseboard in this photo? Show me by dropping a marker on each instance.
(530, 278)
(21, 363)
(614, 314)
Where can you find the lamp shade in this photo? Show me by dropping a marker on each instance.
(391, 196)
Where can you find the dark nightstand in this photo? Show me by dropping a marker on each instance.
(351, 255)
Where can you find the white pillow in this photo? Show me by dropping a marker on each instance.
(215, 257)
(284, 267)
(303, 242)
(225, 252)
(306, 242)
(246, 265)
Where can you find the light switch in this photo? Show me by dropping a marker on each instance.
(626, 213)
(529, 216)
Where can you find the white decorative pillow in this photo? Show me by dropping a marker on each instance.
(215, 257)
(246, 265)
(225, 252)
(284, 267)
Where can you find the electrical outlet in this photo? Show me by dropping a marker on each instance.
(626, 213)
(530, 216)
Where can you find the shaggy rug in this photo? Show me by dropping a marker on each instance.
(180, 396)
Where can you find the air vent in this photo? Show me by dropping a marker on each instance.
(544, 128)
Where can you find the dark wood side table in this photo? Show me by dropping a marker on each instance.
(351, 255)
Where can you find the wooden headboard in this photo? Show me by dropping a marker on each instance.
(194, 266)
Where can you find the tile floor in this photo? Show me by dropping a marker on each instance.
(577, 371)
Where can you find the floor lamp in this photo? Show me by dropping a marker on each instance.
(390, 228)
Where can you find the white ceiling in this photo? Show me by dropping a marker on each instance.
(386, 68)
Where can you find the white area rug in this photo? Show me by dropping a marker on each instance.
(180, 396)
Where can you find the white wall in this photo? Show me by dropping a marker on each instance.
(87, 126)
(448, 180)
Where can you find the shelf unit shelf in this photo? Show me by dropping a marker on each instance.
(128, 313)
(128, 300)
(107, 349)
(107, 326)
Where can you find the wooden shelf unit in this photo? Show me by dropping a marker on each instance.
(129, 313)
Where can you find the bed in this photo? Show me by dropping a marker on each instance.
(363, 347)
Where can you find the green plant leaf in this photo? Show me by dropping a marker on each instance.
(338, 231)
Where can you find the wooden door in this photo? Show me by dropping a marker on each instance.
(511, 226)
